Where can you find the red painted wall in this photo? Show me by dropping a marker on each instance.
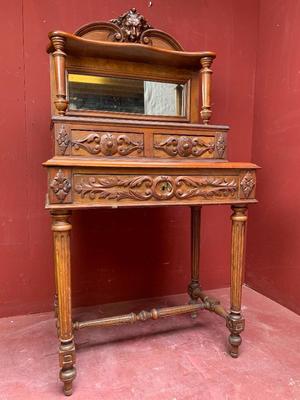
(273, 256)
(119, 254)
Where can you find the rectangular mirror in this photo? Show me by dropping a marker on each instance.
(100, 93)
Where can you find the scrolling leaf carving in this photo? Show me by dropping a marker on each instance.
(185, 146)
(107, 144)
(132, 25)
(159, 187)
(204, 187)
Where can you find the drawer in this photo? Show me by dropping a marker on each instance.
(98, 143)
(107, 189)
(87, 188)
(190, 146)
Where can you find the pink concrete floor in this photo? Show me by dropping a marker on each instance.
(172, 359)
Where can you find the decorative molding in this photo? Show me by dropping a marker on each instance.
(247, 184)
(184, 146)
(236, 325)
(108, 144)
(67, 360)
(62, 139)
(160, 187)
(220, 145)
(60, 185)
(67, 355)
(132, 25)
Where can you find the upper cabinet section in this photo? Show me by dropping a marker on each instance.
(126, 69)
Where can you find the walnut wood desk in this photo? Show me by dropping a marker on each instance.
(127, 133)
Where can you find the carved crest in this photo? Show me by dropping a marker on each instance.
(132, 25)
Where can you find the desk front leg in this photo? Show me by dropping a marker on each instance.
(235, 320)
(61, 235)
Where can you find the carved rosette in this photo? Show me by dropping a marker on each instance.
(62, 139)
(220, 145)
(60, 185)
(185, 146)
(247, 184)
(159, 187)
(108, 144)
(132, 25)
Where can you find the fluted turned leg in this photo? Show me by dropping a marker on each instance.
(55, 301)
(235, 320)
(194, 289)
(61, 235)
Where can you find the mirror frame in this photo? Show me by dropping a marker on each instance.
(132, 70)
(128, 114)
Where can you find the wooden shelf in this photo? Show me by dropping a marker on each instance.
(78, 46)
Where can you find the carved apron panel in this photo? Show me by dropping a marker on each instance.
(120, 188)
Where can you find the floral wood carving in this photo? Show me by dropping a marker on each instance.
(108, 144)
(62, 139)
(60, 185)
(220, 145)
(159, 187)
(184, 146)
(132, 25)
(248, 184)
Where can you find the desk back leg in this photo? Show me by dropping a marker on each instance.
(194, 289)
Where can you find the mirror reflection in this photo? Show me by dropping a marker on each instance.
(100, 93)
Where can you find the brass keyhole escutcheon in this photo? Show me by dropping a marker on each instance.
(166, 187)
(163, 187)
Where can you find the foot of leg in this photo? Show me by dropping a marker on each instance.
(194, 292)
(67, 360)
(236, 324)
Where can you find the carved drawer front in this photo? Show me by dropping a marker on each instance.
(153, 188)
(196, 146)
(98, 143)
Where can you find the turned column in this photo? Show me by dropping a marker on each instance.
(235, 320)
(61, 235)
(59, 55)
(206, 73)
(194, 289)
